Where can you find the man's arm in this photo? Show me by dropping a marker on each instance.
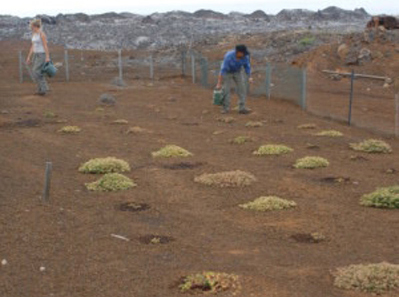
(247, 67)
(223, 71)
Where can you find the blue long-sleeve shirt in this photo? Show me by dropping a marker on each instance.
(231, 64)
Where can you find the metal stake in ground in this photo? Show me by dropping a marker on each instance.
(120, 65)
(351, 98)
(47, 182)
(66, 62)
(21, 74)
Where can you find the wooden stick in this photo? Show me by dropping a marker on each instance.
(47, 182)
(120, 237)
(356, 75)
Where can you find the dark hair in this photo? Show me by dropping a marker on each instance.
(242, 49)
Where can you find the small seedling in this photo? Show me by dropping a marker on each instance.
(227, 179)
(271, 149)
(372, 146)
(171, 151)
(105, 165)
(111, 182)
(211, 282)
(268, 203)
(155, 240)
(371, 278)
(227, 120)
(50, 115)
(311, 163)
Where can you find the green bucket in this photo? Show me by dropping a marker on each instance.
(218, 97)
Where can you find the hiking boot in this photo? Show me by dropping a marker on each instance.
(245, 111)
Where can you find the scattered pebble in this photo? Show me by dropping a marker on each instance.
(42, 269)
(4, 262)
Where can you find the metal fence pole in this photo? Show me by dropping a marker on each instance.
(193, 70)
(268, 80)
(21, 73)
(204, 72)
(351, 98)
(304, 82)
(183, 64)
(120, 65)
(47, 182)
(151, 67)
(66, 61)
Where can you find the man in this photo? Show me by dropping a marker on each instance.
(232, 65)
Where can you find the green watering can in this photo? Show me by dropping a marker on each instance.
(49, 69)
(218, 97)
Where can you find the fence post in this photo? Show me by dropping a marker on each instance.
(204, 72)
(66, 62)
(304, 82)
(151, 67)
(351, 97)
(47, 182)
(193, 70)
(396, 90)
(184, 60)
(120, 65)
(21, 73)
(268, 80)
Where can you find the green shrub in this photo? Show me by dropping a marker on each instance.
(241, 140)
(70, 130)
(268, 203)
(105, 165)
(211, 282)
(171, 151)
(272, 149)
(372, 278)
(49, 115)
(330, 133)
(307, 41)
(311, 163)
(253, 124)
(372, 146)
(382, 198)
(111, 182)
(227, 179)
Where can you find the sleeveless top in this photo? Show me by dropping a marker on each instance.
(37, 42)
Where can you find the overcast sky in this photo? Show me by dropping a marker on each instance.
(31, 7)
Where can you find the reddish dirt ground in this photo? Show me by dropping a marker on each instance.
(71, 237)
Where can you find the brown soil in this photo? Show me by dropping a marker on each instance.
(71, 236)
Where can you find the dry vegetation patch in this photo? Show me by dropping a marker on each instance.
(330, 133)
(104, 165)
(254, 124)
(268, 203)
(372, 146)
(171, 151)
(226, 120)
(137, 130)
(273, 149)
(120, 122)
(211, 282)
(227, 179)
(371, 278)
(241, 140)
(111, 182)
(70, 130)
(311, 163)
(382, 198)
(307, 126)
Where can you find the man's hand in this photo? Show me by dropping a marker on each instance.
(219, 86)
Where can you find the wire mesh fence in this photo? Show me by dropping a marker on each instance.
(358, 101)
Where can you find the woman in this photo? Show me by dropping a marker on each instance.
(39, 51)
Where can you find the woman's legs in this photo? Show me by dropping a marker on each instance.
(38, 62)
